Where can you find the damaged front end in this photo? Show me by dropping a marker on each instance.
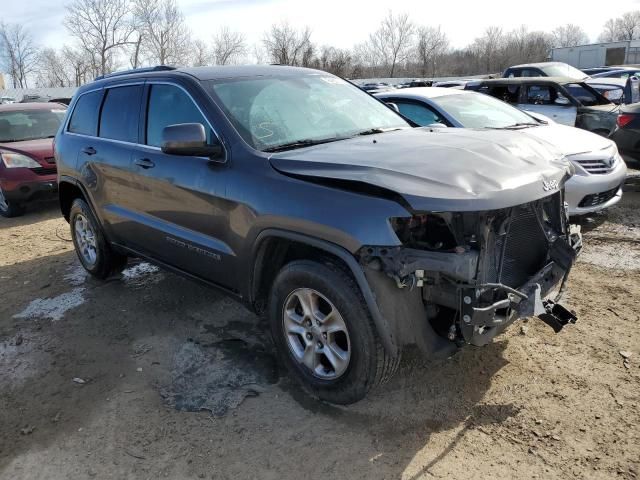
(470, 274)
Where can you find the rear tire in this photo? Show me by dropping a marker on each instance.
(9, 208)
(92, 248)
(333, 294)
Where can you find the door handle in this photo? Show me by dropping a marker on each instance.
(145, 163)
(89, 150)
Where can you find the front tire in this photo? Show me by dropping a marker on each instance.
(94, 253)
(324, 333)
(9, 208)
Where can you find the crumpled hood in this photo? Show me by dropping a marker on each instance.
(569, 140)
(437, 170)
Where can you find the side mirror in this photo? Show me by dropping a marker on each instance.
(562, 101)
(188, 139)
(393, 106)
(437, 125)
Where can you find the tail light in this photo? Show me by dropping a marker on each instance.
(624, 119)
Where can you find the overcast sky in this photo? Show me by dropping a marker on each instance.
(343, 23)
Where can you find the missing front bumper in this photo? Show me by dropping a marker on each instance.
(479, 325)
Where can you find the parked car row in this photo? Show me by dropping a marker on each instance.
(321, 208)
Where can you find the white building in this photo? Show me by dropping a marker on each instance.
(599, 54)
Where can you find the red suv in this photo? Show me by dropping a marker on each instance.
(27, 166)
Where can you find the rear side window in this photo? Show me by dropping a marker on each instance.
(120, 113)
(84, 118)
(170, 105)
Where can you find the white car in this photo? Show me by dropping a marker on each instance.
(600, 171)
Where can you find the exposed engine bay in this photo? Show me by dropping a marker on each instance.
(480, 271)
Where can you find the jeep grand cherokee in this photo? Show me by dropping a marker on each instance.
(319, 207)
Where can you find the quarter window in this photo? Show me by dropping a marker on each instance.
(84, 119)
(120, 113)
(170, 105)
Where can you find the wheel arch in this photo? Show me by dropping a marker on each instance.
(68, 190)
(275, 248)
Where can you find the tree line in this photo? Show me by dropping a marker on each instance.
(108, 35)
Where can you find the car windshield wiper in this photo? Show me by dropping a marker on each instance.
(520, 125)
(373, 131)
(307, 142)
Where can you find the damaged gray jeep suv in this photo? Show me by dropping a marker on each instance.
(321, 209)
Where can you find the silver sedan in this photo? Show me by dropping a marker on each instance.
(600, 171)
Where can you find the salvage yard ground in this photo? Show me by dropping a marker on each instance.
(104, 380)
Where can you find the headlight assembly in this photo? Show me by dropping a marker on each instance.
(17, 160)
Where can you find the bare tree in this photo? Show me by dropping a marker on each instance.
(258, 53)
(393, 41)
(286, 45)
(102, 27)
(18, 53)
(79, 63)
(628, 26)
(165, 36)
(53, 70)
(367, 59)
(200, 53)
(432, 43)
(228, 46)
(569, 35)
(135, 50)
(610, 31)
(334, 60)
(488, 49)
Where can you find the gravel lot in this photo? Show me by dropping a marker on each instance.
(150, 349)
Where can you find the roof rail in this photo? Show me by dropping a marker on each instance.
(157, 68)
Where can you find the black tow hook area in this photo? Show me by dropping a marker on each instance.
(556, 316)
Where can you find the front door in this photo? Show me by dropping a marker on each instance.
(180, 211)
(546, 99)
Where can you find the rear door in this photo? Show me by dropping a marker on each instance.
(180, 217)
(547, 100)
(102, 128)
(118, 130)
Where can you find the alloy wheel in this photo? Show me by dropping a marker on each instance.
(4, 206)
(316, 333)
(85, 240)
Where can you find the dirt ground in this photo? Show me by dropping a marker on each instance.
(105, 380)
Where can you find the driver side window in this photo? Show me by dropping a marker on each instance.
(421, 114)
(170, 105)
(539, 95)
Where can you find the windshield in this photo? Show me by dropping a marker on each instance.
(17, 126)
(476, 110)
(563, 70)
(269, 112)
